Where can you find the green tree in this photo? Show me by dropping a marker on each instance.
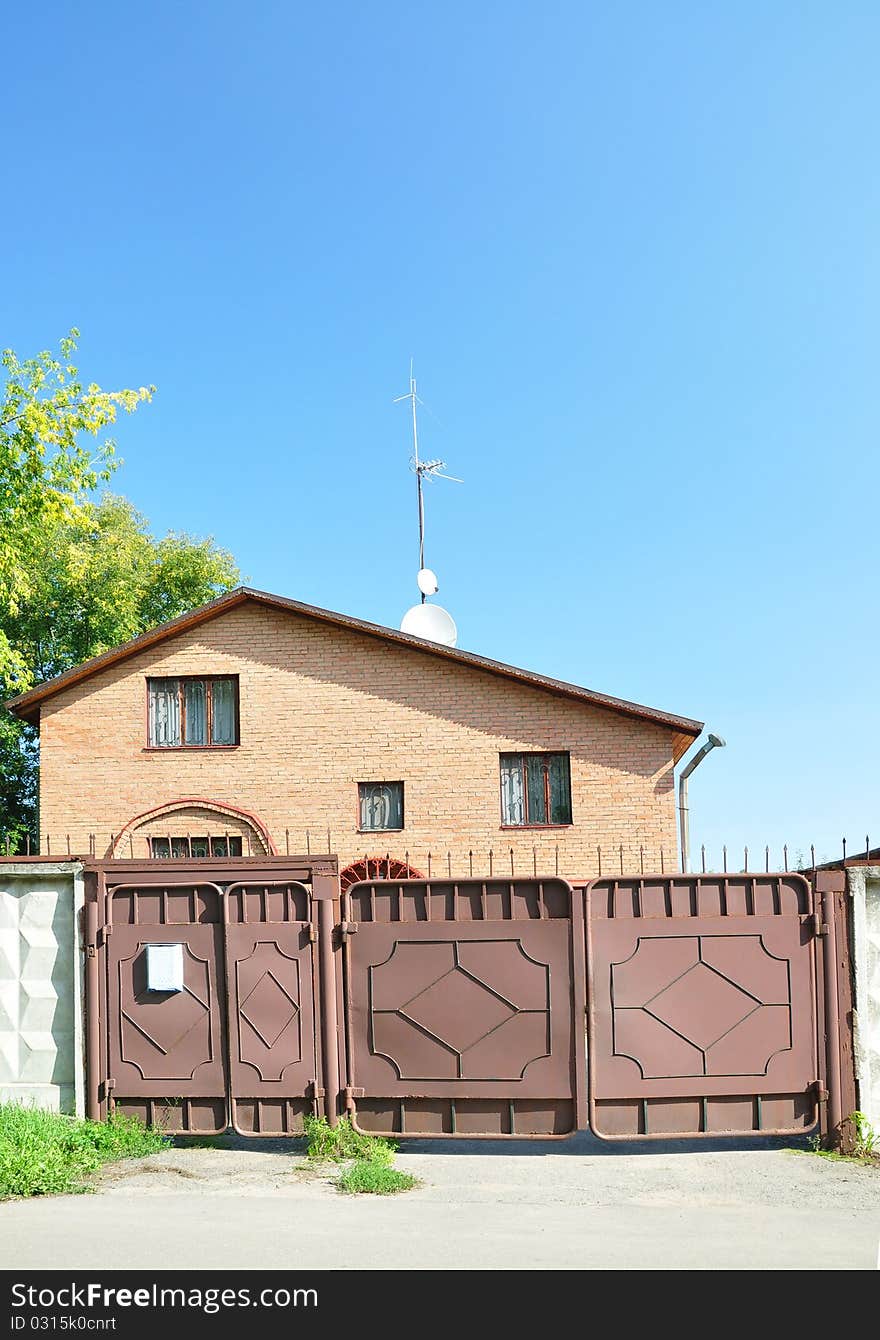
(99, 579)
(48, 466)
(77, 576)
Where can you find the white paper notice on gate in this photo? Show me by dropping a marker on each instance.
(164, 967)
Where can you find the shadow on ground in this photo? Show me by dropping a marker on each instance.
(583, 1142)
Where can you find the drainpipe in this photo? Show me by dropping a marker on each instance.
(713, 742)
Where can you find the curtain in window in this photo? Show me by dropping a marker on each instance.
(560, 789)
(195, 702)
(223, 711)
(512, 799)
(536, 767)
(164, 713)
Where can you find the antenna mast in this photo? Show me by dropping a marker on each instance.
(428, 469)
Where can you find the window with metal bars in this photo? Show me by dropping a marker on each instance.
(380, 806)
(535, 790)
(192, 713)
(165, 847)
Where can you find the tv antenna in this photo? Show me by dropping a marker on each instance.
(423, 620)
(424, 471)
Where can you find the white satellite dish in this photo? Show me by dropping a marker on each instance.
(430, 622)
(427, 582)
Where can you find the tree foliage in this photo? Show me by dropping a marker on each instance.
(101, 578)
(77, 575)
(48, 467)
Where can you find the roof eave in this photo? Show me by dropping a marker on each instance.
(27, 705)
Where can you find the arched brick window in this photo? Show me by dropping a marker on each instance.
(193, 827)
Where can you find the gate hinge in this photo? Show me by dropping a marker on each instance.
(91, 950)
(352, 1093)
(347, 928)
(820, 927)
(108, 1086)
(820, 1090)
(106, 932)
(313, 934)
(315, 1090)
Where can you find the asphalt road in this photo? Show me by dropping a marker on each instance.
(576, 1206)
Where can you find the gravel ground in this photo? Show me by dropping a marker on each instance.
(576, 1205)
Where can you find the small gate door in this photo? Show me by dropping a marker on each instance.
(270, 968)
(702, 1006)
(237, 1042)
(167, 1048)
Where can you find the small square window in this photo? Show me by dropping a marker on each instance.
(535, 790)
(380, 806)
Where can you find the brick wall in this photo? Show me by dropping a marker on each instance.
(323, 708)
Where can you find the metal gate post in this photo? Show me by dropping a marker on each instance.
(324, 889)
(93, 1032)
(827, 883)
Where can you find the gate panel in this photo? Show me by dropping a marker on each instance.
(166, 1056)
(460, 1006)
(270, 972)
(702, 1006)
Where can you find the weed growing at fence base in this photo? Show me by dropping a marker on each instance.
(373, 1179)
(369, 1156)
(339, 1143)
(44, 1154)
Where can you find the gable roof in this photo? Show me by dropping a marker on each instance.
(27, 705)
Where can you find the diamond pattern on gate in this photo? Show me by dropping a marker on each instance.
(484, 1009)
(269, 1009)
(471, 1009)
(169, 1027)
(723, 1006)
(693, 1018)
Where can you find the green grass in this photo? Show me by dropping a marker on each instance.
(374, 1179)
(864, 1160)
(46, 1154)
(369, 1158)
(339, 1143)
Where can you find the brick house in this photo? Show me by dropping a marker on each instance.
(256, 723)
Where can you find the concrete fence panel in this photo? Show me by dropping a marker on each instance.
(41, 1010)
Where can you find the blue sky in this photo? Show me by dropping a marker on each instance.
(633, 251)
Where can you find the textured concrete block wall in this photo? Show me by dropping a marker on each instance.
(323, 708)
(41, 1036)
(864, 887)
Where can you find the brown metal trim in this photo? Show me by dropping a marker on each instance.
(26, 705)
(326, 890)
(93, 1019)
(828, 882)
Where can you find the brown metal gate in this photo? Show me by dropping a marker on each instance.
(638, 1006)
(464, 1002)
(702, 1006)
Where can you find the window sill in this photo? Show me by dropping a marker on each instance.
(188, 748)
(371, 832)
(533, 828)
